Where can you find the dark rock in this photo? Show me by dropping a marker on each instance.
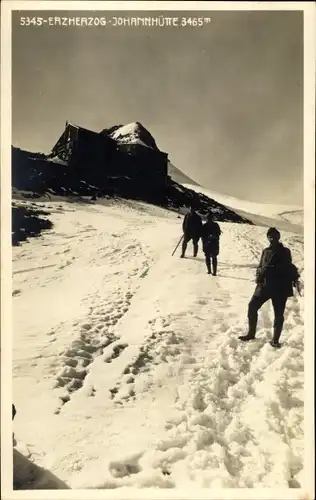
(105, 168)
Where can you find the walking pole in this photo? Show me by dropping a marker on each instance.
(177, 245)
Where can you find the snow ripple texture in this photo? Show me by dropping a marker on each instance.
(127, 364)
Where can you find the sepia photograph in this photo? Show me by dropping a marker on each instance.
(157, 261)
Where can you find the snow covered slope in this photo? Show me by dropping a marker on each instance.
(178, 176)
(133, 133)
(126, 364)
(260, 213)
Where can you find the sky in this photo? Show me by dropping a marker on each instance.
(224, 100)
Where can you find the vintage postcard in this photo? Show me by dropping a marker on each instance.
(157, 249)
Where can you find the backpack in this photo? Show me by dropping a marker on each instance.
(293, 272)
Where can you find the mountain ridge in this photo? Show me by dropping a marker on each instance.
(132, 133)
(35, 175)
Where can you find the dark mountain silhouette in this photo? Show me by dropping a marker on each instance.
(135, 169)
(35, 176)
(178, 176)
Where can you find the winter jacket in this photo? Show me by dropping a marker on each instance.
(210, 237)
(276, 274)
(192, 225)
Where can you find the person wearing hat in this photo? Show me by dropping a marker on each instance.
(191, 226)
(275, 277)
(210, 238)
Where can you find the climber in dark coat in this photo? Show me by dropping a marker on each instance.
(210, 237)
(275, 277)
(191, 226)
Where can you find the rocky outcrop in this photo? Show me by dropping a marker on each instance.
(138, 170)
(26, 222)
(132, 133)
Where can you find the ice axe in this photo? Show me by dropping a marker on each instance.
(177, 245)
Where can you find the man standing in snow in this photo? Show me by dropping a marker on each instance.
(275, 278)
(191, 226)
(210, 238)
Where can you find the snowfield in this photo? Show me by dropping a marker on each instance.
(265, 214)
(127, 371)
